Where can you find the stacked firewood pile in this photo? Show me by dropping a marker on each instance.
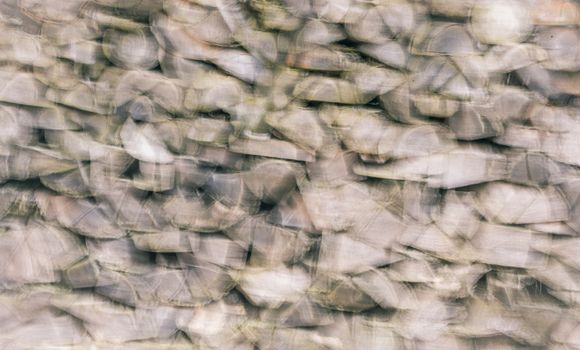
(290, 174)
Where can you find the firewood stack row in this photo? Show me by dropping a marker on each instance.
(290, 174)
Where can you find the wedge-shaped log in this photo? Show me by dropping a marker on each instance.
(460, 167)
(515, 204)
(510, 246)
